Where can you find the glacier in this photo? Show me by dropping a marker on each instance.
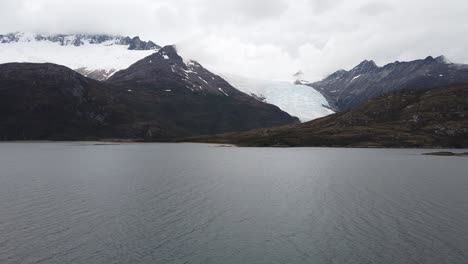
(298, 100)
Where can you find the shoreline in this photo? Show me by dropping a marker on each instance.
(446, 154)
(219, 144)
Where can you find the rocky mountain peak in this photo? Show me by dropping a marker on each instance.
(365, 66)
(170, 53)
(336, 75)
(429, 58)
(170, 49)
(137, 44)
(438, 60)
(166, 57)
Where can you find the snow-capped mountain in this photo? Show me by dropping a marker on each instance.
(95, 56)
(172, 73)
(80, 39)
(183, 93)
(298, 100)
(100, 56)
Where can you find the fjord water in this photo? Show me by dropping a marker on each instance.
(198, 203)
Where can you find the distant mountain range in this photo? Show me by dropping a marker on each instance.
(123, 87)
(78, 40)
(348, 89)
(436, 117)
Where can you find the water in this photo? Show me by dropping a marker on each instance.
(196, 203)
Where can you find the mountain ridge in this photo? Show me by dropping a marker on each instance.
(347, 89)
(133, 43)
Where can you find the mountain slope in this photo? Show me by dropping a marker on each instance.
(347, 89)
(413, 118)
(297, 100)
(96, 56)
(192, 97)
(48, 101)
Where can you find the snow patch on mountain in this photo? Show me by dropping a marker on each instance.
(356, 77)
(221, 90)
(109, 56)
(301, 101)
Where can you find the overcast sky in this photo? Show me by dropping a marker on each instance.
(264, 38)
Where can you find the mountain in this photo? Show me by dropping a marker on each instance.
(158, 98)
(95, 56)
(347, 89)
(297, 100)
(437, 117)
(47, 101)
(99, 56)
(192, 97)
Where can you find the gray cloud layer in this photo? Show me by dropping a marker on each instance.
(264, 38)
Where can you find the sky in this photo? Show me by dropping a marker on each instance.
(268, 39)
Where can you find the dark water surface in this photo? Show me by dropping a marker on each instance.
(195, 203)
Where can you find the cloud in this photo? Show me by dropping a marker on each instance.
(240, 11)
(320, 6)
(375, 8)
(263, 38)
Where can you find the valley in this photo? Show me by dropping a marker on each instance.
(129, 89)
